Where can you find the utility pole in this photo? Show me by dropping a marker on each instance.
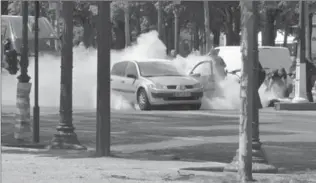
(103, 138)
(127, 31)
(176, 13)
(36, 109)
(66, 138)
(23, 122)
(300, 80)
(160, 20)
(207, 27)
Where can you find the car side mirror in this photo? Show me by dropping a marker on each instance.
(131, 76)
(195, 75)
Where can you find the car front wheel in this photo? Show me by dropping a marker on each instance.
(143, 101)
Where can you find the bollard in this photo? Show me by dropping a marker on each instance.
(23, 131)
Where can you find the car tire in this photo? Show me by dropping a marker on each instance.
(142, 100)
(195, 107)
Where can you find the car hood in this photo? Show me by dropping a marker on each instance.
(173, 80)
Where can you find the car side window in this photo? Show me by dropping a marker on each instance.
(204, 69)
(131, 69)
(119, 69)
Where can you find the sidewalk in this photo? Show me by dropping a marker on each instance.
(52, 166)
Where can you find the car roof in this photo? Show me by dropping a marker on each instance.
(144, 60)
(259, 47)
(152, 60)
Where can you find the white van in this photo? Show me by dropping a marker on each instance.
(269, 57)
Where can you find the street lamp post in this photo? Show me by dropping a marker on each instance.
(66, 138)
(36, 109)
(103, 137)
(300, 80)
(23, 123)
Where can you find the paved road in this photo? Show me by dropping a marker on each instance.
(191, 135)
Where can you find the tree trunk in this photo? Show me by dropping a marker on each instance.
(229, 29)
(120, 35)
(87, 32)
(309, 31)
(202, 41)
(103, 139)
(196, 37)
(268, 32)
(160, 20)
(169, 34)
(286, 32)
(236, 27)
(232, 27)
(246, 93)
(138, 28)
(216, 39)
(127, 27)
(4, 7)
(207, 26)
(176, 30)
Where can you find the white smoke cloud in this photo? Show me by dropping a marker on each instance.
(148, 45)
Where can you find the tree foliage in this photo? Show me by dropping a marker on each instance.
(224, 17)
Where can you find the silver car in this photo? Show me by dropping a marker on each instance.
(155, 82)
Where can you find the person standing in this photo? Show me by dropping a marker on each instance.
(261, 78)
(219, 64)
(10, 58)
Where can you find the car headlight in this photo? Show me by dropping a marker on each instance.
(198, 85)
(157, 86)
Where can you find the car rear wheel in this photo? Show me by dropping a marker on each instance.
(143, 101)
(195, 106)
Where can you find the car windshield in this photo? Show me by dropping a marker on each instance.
(152, 69)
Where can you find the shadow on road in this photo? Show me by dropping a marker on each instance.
(131, 129)
(289, 157)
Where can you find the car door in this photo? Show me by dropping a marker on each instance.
(204, 72)
(117, 77)
(131, 81)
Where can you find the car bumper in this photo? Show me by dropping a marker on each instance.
(166, 97)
